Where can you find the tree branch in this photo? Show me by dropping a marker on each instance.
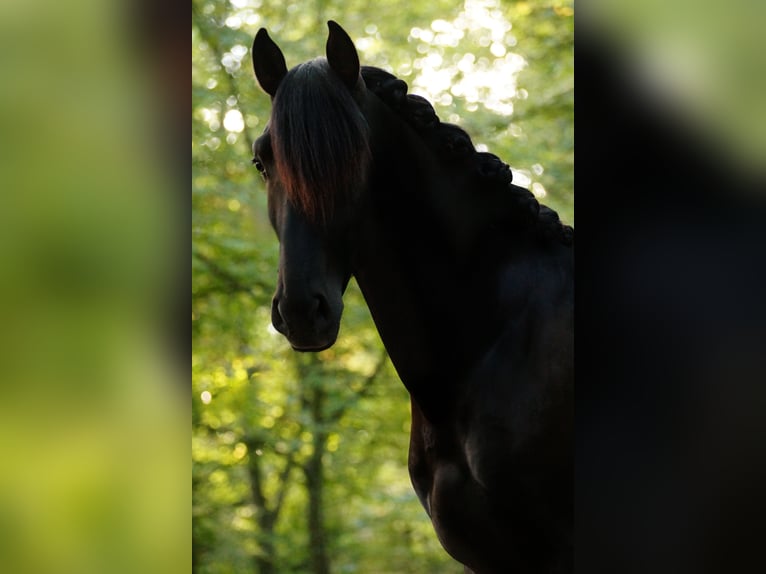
(336, 414)
(283, 483)
(234, 284)
(212, 42)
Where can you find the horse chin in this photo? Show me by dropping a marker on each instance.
(313, 343)
(312, 349)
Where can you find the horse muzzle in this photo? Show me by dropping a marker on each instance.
(310, 323)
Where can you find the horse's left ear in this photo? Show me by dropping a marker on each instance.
(342, 56)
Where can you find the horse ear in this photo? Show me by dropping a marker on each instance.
(268, 62)
(342, 56)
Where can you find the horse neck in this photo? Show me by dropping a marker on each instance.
(410, 267)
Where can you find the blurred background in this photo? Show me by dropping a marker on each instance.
(300, 461)
(94, 471)
(671, 276)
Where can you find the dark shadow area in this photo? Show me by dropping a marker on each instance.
(671, 334)
(159, 31)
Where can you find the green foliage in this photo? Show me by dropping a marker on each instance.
(266, 420)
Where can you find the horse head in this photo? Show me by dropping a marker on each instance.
(314, 156)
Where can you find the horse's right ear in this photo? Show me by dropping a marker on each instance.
(268, 62)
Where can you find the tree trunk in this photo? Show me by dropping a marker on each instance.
(265, 564)
(314, 471)
(265, 514)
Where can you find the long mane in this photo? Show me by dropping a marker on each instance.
(321, 149)
(453, 144)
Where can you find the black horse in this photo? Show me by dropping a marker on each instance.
(469, 281)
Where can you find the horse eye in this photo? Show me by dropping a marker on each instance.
(259, 166)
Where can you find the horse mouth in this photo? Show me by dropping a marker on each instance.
(311, 342)
(308, 341)
(311, 348)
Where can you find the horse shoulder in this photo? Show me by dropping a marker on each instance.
(517, 408)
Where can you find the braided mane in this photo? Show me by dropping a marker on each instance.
(454, 144)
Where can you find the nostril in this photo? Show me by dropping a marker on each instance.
(321, 307)
(315, 307)
(276, 317)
